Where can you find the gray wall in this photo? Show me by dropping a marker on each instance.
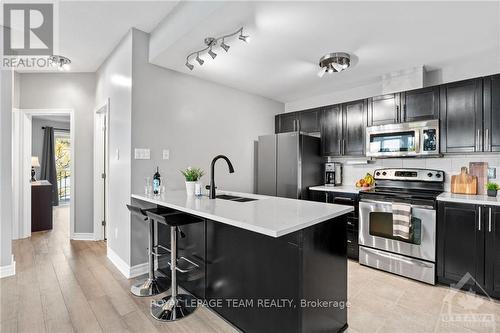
(37, 136)
(196, 120)
(114, 82)
(75, 91)
(6, 92)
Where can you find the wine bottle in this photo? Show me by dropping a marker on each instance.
(156, 181)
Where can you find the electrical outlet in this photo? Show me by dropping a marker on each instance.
(166, 154)
(142, 154)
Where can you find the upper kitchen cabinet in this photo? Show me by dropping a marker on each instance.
(491, 135)
(309, 121)
(461, 113)
(384, 109)
(354, 116)
(331, 131)
(420, 104)
(286, 122)
(343, 129)
(305, 121)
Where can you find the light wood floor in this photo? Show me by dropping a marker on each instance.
(70, 286)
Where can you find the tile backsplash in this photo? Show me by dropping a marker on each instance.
(450, 164)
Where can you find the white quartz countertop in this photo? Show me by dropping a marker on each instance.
(341, 188)
(270, 216)
(470, 199)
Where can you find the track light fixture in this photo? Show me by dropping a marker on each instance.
(62, 63)
(212, 53)
(212, 42)
(224, 46)
(200, 61)
(334, 62)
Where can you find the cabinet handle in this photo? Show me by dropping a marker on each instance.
(489, 221)
(343, 147)
(326, 197)
(340, 147)
(479, 220)
(487, 140)
(478, 145)
(397, 114)
(404, 112)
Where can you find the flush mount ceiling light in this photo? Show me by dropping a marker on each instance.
(62, 63)
(212, 42)
(334, 62)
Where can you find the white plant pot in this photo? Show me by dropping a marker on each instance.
(190, 188)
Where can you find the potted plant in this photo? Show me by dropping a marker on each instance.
(192, 176)
(492, 189)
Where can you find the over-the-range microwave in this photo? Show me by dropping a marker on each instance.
(412, 139)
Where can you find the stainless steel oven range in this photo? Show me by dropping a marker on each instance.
(413, 256)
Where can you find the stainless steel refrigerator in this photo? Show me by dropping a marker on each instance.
(287, 164)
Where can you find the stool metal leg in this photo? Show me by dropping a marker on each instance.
(152, 285)
(175, 306)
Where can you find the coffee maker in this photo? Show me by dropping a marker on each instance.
(333, 174)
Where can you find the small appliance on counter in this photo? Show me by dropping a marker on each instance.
(333, 174)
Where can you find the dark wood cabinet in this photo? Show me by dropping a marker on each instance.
(384, 109)
(491, 105)
(461, 116)
(492, 253)
(41, 205)
(343, 129)
(420, 104)
(354, 116)
(331, 131)
(286, 122)
(309, 121)
(460, 243)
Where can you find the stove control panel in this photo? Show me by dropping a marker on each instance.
(410, 174)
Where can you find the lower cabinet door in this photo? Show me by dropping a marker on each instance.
(460, 249)
(492, 255)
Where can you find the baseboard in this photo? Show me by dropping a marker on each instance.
(8, 270)
(127, 271)
(83, 236)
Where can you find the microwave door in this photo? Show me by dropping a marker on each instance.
(398, 143)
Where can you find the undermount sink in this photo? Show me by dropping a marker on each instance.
(234, 198)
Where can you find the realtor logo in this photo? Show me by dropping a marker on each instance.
(28, 29)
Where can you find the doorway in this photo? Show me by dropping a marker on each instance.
(28, 157)
(101, 139)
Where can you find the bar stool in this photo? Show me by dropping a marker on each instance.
(175, 306)
(152, 285)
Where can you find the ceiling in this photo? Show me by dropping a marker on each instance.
(288, 38)
(90, 30)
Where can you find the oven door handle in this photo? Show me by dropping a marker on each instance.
(390, 203)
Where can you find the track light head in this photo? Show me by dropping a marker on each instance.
(224, 46)
(200, 61)
(246, 39)
(212, 53)
(190, 66)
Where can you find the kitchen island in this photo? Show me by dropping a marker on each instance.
(265, 265)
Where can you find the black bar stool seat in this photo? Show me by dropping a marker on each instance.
(152, 285)
(174, 306)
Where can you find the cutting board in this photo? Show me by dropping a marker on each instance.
(480, 170)
(464, 183)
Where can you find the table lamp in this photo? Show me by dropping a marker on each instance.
(34, 164)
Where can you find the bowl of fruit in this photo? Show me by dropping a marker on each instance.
(366, 182)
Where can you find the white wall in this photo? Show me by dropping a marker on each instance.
(114, 82)
(450, 164)
(74, 91)
(196, 120)
(6, 97)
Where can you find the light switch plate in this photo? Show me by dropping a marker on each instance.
(166, 154)
(142, 154)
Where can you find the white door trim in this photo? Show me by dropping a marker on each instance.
(99, 196)
(22, 196)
